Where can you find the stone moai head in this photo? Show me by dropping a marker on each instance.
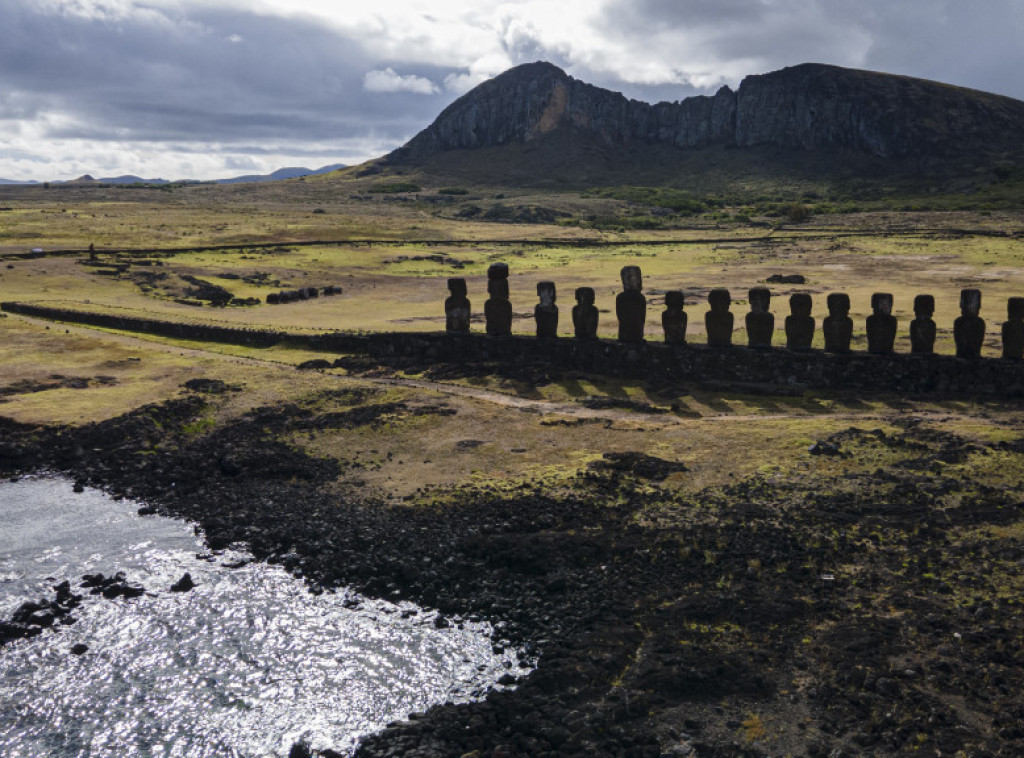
(760, 299)
(632, 279)
(881, 303)
(970, 302)
(924, 306)
(457, 286)
(674, 300)
(497, 281)
(838, 304)
(498, 288)
(719, 300)
(800, 304)
(585, 295)
(546, 293)
(1015, 308)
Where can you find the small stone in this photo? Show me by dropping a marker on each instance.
(824, 448)
(79, 649)
(185, 584)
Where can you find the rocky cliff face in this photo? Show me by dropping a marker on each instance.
(810, 106)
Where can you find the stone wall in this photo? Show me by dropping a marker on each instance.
(775, 367)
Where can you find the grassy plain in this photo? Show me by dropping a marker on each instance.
(391, 252)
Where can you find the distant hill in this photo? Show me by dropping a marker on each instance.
(130, 179)
(282, 173)
(812, 118)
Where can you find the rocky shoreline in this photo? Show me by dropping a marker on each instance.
(868, 613)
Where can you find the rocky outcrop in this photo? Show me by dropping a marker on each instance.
(810, 106)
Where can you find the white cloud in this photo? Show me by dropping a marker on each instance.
(386, 80)
(179, 86)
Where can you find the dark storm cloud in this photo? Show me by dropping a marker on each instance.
(974, 45)
(211, 76)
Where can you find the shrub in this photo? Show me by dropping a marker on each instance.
(797, 213)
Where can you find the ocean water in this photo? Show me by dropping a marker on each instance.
(246, 664)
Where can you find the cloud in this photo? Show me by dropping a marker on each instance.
(387, 80)
(187, 85)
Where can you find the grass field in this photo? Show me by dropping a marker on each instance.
(391, 253)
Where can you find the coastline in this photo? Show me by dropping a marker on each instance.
(647, 610)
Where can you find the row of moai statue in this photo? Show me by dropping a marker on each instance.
(837, 327)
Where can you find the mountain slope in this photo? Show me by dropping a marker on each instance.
(857, 115)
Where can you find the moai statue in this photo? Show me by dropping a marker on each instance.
(456, 307)
(1013, 329)
(673, 318)
(631, 306)
(760, 321)
(545, 313)
(837, 326)
(922, 328)
(800, 323)
(718, 321)
(881, 324)
(498, 309)
(969, 329)
(584, 314)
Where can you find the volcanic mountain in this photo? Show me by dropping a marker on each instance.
(855, 118)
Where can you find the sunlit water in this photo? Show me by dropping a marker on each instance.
(246, 664)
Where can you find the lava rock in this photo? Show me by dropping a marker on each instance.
(185, 584)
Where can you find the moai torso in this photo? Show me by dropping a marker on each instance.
(969, 329)
(719, 320)
(760, 321)
(1013, 329)
(673, 318)
(631, 306)
(545, 313)
(498, 309)
(922, 328)
(800, 323)
(837, 327)
(584, 314)
(881, 324)
(456, 307)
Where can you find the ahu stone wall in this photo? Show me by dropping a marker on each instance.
(717, 358)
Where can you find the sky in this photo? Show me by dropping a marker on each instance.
(209, 89)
